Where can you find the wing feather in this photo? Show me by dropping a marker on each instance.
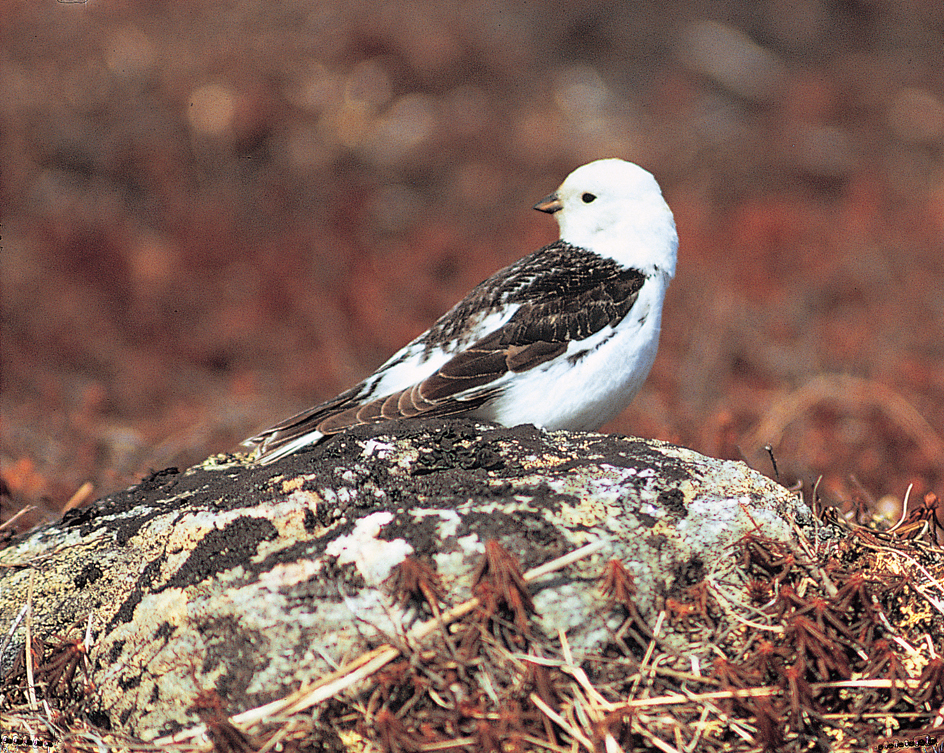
(560, 294)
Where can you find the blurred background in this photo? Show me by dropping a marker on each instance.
(217, 213)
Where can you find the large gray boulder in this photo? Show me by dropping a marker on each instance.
(248, 582)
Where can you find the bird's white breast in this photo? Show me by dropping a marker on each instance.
(594, 380)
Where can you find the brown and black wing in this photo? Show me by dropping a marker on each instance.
(563, 294)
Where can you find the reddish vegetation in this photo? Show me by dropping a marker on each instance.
(214, 216)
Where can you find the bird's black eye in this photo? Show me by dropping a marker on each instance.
(588, 197)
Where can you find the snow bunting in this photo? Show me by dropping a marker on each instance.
(562, 339)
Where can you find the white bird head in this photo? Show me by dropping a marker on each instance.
(616, 209)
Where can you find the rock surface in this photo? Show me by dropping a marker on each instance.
(253, 581)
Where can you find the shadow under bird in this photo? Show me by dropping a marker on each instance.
(563, 338)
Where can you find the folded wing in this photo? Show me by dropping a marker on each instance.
(562, 294)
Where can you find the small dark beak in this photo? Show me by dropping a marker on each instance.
(549, 204)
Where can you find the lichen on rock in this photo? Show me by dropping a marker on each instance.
(253, 581)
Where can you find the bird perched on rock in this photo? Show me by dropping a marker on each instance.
(563, 338)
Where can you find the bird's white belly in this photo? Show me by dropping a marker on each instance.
(592, 383)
